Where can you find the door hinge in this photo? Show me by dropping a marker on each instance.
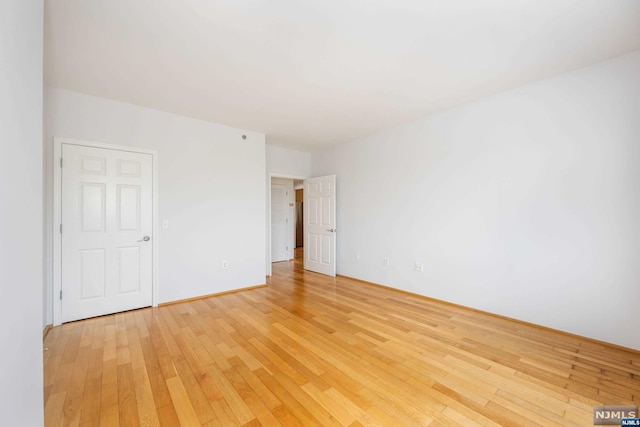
(60, 228)
(60, 161)
(60, 294)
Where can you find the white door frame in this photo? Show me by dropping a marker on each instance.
(57, 217)
(268, 249)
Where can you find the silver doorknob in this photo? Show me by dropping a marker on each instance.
(331, 230)
(145, 239)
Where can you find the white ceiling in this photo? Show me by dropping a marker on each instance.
(311, 73)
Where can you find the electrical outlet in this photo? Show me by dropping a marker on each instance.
(357, 256)
(165, 224)
(419, 267)
(387, 262)
(225, 265)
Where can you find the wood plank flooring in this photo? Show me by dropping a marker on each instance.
(309, 350)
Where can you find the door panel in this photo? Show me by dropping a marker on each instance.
(311, 247)
(128, 207)
(326, 249)
(128, 270)
(92, 273)
(320, 225)
(93, 206)
(107, 204)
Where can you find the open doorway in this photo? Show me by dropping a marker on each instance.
(282, 219)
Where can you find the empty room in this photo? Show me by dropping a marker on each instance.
(286, 213)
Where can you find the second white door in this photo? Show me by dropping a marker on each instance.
(107, 224)
(320, 225)
(282, 224)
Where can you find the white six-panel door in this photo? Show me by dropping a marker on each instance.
(279, 223)
(320, 225)
(107, 224)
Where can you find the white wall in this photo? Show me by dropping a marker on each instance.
(282, 162)
(21, 213)
(211, 189)
(524, 204)
(288, 163)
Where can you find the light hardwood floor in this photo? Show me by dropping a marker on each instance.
(310, 350)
